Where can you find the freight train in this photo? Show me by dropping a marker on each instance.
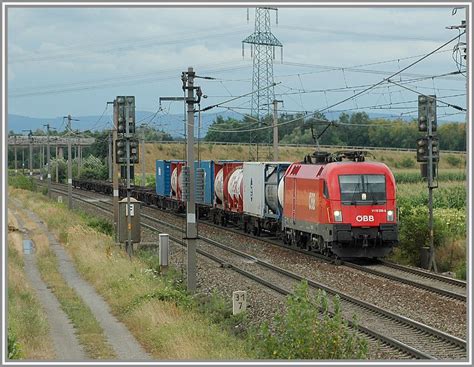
(336, 204)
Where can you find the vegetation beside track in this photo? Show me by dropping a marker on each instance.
(302, 333)
(153, 307)
(163, 317)
(450, 233)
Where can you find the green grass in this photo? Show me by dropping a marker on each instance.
(151, 305)
(414, 175)
(22, 182)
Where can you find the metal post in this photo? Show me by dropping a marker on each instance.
(69, 174)
(16, 161)
(191, 230)
(432, 262)
(163, 250)
(109, 161)
(143, 159)
(275, 129)
(48, 158)
(23, 161)
(41, 154)
(129, 244)
(116, 171)
(57, 165)
(78, 159)
(31, 157)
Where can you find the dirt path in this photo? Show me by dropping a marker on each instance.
(118, 336)
(66, 345)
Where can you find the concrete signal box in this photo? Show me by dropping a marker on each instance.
(134, 211)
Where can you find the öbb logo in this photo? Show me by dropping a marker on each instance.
(365, 218)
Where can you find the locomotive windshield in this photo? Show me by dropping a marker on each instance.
(362, 189)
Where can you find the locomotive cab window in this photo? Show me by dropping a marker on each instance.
(362, 189)
(325, 190)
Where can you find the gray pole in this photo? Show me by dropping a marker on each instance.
(116, 171)
(31, 157)
(191, 230)
(129, 245)
(48, 158)
(23, 161)
(78, 156)
(143, 159)
(69, 173)
(41, 154)
(16, 161)
(432, 263)
(57, 164)
(110, 156)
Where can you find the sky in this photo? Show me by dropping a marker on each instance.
(74, 60)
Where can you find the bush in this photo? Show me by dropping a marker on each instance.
(449, 256)
(93, 169)
(219, 311)
(407, 162)
(14, 350)
(454, 161)
(22, 182)
(101, 225)
(449, 225)
(461, 271)
(302, 333)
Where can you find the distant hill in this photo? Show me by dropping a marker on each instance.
(169, 123)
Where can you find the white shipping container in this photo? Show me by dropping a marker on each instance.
(254, 188)
(258, 201)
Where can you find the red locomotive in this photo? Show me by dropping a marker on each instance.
(343, 208)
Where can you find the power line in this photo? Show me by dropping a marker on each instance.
(122, 47)
(351, 97)
(437, 100)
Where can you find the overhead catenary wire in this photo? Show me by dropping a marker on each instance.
(350, 97)
(437, 100)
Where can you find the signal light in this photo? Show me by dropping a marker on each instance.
(124, 103)
(422, 146)
(427, 112)
(422, 149)
(121, 151)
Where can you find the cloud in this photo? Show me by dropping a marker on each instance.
(68, 46)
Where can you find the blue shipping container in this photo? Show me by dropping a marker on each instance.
(163, 177)
(208, 167)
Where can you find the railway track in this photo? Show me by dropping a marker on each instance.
(411, 337)
(418, 278)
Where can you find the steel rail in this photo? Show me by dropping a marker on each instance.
(459, 343)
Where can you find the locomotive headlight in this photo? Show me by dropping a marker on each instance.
(337, 216)
(390, 215)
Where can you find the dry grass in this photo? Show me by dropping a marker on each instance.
(166, 331)
(451, 255)
(87, 328)
(156, 151)
(26, 319)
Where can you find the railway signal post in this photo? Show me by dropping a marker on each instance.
(126, 154)
(428, 155)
